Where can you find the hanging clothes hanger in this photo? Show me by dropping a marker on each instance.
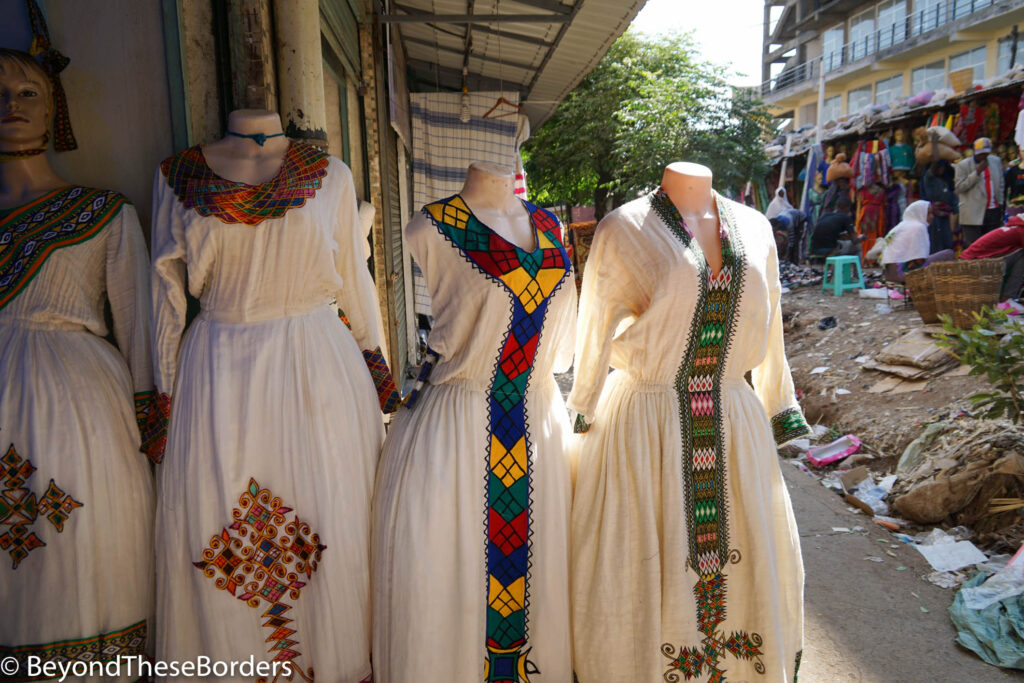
(516, 108)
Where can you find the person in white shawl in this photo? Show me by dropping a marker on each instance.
(778, 204)
(908, 241)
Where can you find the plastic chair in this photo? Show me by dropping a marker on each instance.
(839, 282)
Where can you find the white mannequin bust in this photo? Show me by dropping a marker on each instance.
(688, 186)
(244, 160)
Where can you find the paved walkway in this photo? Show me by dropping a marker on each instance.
(862, 619)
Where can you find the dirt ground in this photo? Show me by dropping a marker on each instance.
(884, 422)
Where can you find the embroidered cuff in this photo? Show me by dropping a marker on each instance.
(580, 424)
(344, 319)
(153, 411)
(429, 360)
(788, 425)
(387, 392)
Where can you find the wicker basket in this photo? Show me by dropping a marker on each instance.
(963, 287)
(922, 294)
(961, 80)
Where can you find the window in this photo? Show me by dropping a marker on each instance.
(929, 77)
(862, 35)
(928, 15)
(832, 48)
(972, 59)
(857, 99)
(961, 8)
(889, 90)
(832, 109)
(1005, 50)
(892, 23)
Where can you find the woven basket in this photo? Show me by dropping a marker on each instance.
(963, 287)
(922, 294)
(961, 80)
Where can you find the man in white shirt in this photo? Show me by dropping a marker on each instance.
(979, 186)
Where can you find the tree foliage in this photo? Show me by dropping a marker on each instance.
(649, 102)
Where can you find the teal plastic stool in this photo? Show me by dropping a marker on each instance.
(839, 282)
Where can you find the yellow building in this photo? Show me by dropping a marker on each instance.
(880, 53)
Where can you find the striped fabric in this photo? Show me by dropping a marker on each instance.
(443, 146)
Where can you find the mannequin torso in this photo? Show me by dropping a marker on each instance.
(489, 191)
(243, 160)
(688, 185)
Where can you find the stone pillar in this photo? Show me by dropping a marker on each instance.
(300, 72)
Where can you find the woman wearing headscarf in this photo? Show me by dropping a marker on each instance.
(907, 246)
(778, 204)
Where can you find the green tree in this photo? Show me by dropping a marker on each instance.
(650, 101)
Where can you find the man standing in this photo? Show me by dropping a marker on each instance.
(979, 185)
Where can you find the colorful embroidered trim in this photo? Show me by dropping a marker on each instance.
(581, 426)
(21, 154)
(796, 669)
(30, 234)
(259, 559)
(199, 188)
(105, 647)
(53, 62)
(531, 278)
(788, 425)
(154, 419)
(387, 392)
(698, 383)
(19, 508)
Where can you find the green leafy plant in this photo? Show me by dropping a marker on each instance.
(994, 348)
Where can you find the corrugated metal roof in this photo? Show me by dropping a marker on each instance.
(540, 48)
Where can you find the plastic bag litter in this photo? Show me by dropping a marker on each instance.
(993, 633)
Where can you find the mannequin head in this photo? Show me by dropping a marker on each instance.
(899, 136)
(26, 102)
(818, 178)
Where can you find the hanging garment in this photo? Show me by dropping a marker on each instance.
(471, 512)
(265, 487)
(870, 216)
(686, 557)
(76, 495)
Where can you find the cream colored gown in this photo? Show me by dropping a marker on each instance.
(471, 514)
(264, 491)
(685, 555)
(76, 495)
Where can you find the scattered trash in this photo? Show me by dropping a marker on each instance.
(827, 323)
(994, 632)
(841, 529)
(818, 431)
(890, 523)
(872, 294)
(844, 446)
(872, 494)
(843, 392)
(873, 558)
(947, 557)
(924, 609)
(945, 579)
(883, 309)
(862, 359)
(819, 370)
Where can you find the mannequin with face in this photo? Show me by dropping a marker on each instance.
(504, 307)
(66, 396)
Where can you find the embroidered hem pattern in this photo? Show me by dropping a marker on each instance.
(698, 384)
(199, 188)
(105, 647)
(788, 425)
(32, 233)
(20, 509)
(387, 392)
(153, 411)
(531, 278)
(260, 559)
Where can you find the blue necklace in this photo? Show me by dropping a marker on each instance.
(259, 138)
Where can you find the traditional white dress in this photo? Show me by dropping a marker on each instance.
(685, 555)
(471, 512)
(76, 495)
(264, 491)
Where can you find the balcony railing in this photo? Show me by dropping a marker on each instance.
(928, 18)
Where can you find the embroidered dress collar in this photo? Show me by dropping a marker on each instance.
(668, 213)
(29, 234)
(199, 188)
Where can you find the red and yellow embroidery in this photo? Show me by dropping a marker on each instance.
(387, 392)
(199, 188)
(262, 559)
(62, 218)
(20, 509)
(153, 412)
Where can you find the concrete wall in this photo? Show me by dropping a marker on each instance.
(117, 91)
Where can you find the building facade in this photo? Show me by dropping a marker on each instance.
(881, 53)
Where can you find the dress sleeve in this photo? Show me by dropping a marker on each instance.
(169, 310)
(772, 380)
(127, 284)
(357, 302)
(603, 304)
